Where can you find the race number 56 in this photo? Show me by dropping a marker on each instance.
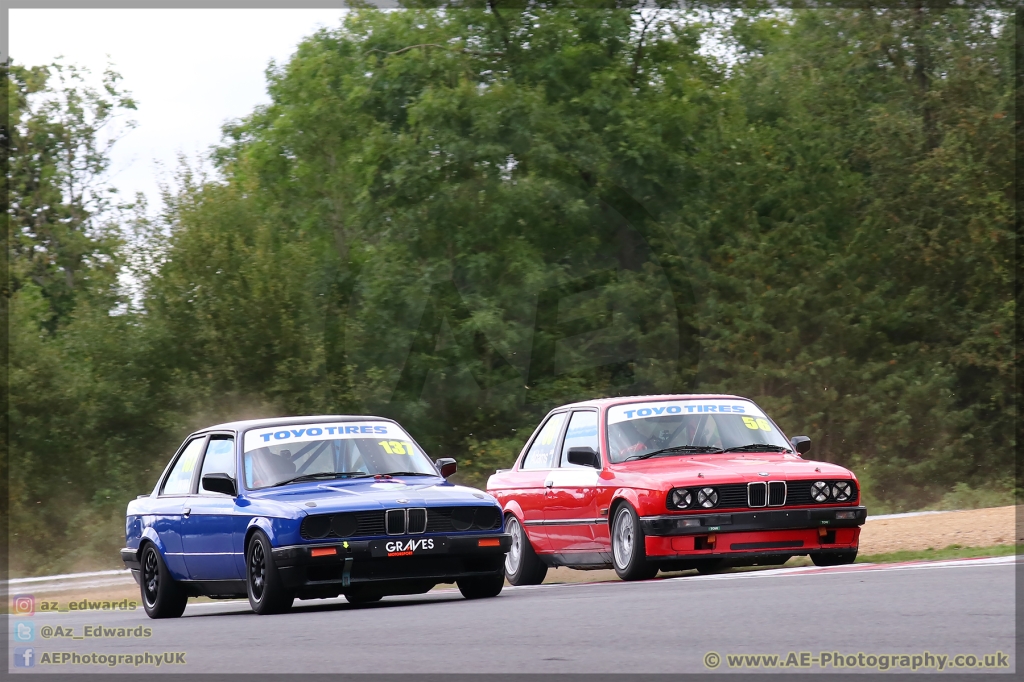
(755, 424)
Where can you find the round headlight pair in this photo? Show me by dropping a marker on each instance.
(840, 491)
(681, 498)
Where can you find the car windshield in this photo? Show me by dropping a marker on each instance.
(331, 450)
(684, 427)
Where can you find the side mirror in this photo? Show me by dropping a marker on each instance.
(447, 466)
(220, 483)
(802, 444)
(584, 456)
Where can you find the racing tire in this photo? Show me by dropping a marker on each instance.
(263, 585)
(834, 558)
(711, 566)
(162, 595)
(522, 565)
(482, 587)
(629, 554)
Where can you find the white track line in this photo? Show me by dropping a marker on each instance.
(805, 570)
(66, 576)
(907, 515)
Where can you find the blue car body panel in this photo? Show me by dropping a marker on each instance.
(203, 536)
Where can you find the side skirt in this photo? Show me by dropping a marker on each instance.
(581, 561)
(215, 589)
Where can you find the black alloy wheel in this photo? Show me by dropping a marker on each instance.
(266, 591)
(162, 596)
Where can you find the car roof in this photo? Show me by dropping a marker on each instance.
(246, 424)
(608, 402)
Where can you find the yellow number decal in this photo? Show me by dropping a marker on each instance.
(750, 423)
(387, 447)
(763, 423)
(396, 447)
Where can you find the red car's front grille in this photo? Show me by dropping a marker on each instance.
(797, 494)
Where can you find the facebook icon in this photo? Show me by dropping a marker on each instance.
(24, 657)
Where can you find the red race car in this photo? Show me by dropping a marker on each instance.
(671, 482)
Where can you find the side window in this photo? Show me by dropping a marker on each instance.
(179, 481)
(582, 433)
(542, 453)
(220, 459)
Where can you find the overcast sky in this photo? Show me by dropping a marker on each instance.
(190, 70)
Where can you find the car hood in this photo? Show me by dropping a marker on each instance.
(732, 468)
(319, 497)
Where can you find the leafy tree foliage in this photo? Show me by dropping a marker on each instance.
(461, 218)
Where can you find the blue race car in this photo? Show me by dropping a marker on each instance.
(309, 507)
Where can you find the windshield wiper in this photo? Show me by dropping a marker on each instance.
(757, 447)
(703, 449)
(405, 473)
(323, 476)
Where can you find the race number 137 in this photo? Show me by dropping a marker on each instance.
(396, 447)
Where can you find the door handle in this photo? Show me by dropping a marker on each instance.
(186, 511)
(548, 484)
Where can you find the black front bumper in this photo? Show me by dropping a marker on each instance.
(764, 519)
(131, 561)
(130, 558)
(366, 562)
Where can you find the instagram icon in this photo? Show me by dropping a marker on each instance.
(23, 605)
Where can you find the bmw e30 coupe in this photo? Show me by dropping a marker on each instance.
(309, 507)
(671, 482)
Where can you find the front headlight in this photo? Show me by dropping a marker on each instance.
(707, 497)
(842, 491)
(819, 491)
(680, 498)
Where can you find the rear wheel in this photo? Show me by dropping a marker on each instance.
(482, 587)
(162, 596)
(834, 558)
(522, 565)
(629, 555)
(267, 593)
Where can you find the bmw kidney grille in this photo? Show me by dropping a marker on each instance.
(394, 521)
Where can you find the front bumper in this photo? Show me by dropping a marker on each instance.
(752, 521)
(362, 563)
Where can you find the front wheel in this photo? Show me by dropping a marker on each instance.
(522, 565)
(482, 587)
(162, 596)
(629, 555)
(267, 593)
(834, 558)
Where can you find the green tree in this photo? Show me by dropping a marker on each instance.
(460, 218)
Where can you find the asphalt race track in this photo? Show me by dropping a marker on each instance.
(666, 625)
